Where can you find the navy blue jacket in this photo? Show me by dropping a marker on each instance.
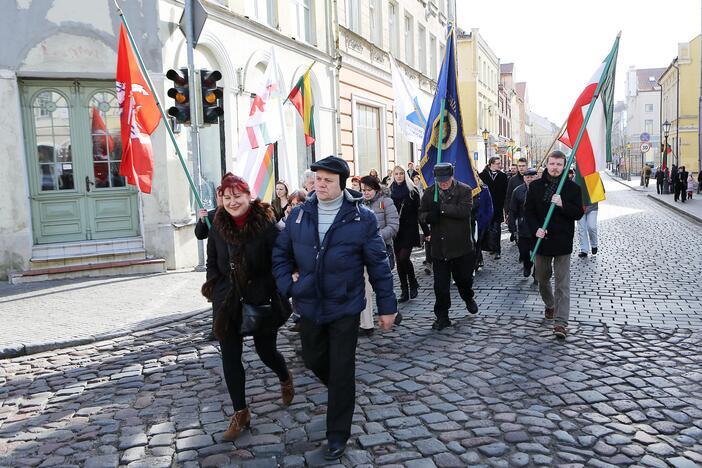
(331, 283)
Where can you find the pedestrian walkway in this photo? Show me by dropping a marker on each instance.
(691, 208)
(55, 314)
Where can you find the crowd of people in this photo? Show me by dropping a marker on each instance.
(325, 255)
(679, 181)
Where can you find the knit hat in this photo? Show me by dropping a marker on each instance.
(335, 165)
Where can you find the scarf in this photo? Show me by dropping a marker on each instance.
(399, 193)
(551, 186)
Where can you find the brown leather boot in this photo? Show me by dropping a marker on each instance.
(240, 420)
(287, 391)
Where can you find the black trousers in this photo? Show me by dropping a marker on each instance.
(676, 191)
(659, 187)
(461, 269)
(405, 269)
(526, 245)
(329, 350)
(232, 348)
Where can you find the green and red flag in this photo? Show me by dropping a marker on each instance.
(595, 147)
(301, 98)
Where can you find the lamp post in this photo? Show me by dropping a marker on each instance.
(664, 159)
(511, 151)
(486, 137)
(628, 162)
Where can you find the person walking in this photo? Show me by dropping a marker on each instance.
(514, 182)
(690, 186)
(496, 181)
(406, 198)
(280, 201)
(553, 256)
(587, 230)
(202, 231)
(681, 188)
(388, 224)
(646, 175)
(660, 177)
(239, 275)
(425, 235)
(411, 171)
(318, 260)
(674, 182)
(387, 180)
(518, 222)
(308, 181)
(449, 218)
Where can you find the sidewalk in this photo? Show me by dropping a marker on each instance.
(691, 208)
(48, 315)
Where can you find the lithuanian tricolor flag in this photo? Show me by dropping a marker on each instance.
(595, 147)
(301, 97)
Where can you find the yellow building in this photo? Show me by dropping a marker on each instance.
(680, 88)
(478, 80)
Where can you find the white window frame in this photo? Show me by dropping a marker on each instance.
(382, 110)
(267, 17)
(422, 48)
(409, 41)
(393, 28)
(646, 107)
(353, 16)
(303, 31)
(432, 56)
(375, 19)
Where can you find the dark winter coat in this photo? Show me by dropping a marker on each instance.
(517, 214)
(561, 228)
(331, 283)
(278, 208)
(408, 207)
(249, 249)
(660, 175)
(451, 236)
(514, 182)
(201, 229)
(498, 192)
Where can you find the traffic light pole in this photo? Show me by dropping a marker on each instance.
(194, 130)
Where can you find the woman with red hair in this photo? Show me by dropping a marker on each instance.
(239, 276)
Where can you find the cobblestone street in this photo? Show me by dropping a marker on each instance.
(495, 389)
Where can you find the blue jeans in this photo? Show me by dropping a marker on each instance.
(587, 230)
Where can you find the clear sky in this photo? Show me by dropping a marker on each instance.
(557, 45)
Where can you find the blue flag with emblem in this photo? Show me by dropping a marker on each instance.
(454, 148)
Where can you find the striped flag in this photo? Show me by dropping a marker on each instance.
(410, 114)
(301, 98)
(596, 144)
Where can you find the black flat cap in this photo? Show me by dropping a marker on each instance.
(443, 172)
(531, 171)
(332, 164)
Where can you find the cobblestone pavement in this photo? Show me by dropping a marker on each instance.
(47, 314)
(495, 389)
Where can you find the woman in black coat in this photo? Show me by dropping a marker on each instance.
(406, 198)
(239, 248)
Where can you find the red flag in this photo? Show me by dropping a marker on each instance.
(103, 143)
(139, 117)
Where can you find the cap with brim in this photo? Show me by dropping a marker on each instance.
(531, 172)
(443, 172)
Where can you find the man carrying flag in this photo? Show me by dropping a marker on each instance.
(139, 117)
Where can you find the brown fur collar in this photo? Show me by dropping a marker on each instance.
(260, 217)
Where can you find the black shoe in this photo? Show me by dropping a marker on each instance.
(211, 337)
(472, 306)
(526, 270)
(366, 331)
(582, 254)
(334, 450)
(594, 251)
(440, 324)
(413, 292)
(498, 256)
(398, 319)
(404, 297)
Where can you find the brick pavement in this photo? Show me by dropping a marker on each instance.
(493, 390)
(53, 314)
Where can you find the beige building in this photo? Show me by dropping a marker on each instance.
(369, 30)
(643, 98)
(680, 88)
(478, 80)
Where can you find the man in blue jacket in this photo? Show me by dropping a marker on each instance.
(319, 260)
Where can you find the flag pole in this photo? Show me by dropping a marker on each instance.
(439, 144)
(306, 72)
(571, 158)
(160, 108)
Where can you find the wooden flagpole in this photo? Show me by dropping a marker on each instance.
(571, 158)
(160, 108)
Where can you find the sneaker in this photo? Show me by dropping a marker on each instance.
(549, 313)
(560, 331)
(472, 306)
(440, 324)
(582, 254)
(594, 251)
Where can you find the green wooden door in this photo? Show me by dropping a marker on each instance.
(73, 142)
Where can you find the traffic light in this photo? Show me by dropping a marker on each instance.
(180, 92)
(211, 94)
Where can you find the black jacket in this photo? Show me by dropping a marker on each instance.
(408, 207)
(498, 192)
(250, 250)
(660, 175)
(561, 228)
(514, 182)
(517, 219)
(450, 221)
(201, 229)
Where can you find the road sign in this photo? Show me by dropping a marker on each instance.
(645, 147)
(645, 136)
(475, 155)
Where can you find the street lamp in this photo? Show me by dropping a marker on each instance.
(511, 150)
(486, 137)
(664, 163)
(628, 161)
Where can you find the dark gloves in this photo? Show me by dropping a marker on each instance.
(434, 213)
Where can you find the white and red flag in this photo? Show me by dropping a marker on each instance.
(139, 117)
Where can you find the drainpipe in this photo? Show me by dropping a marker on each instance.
(336, 62)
